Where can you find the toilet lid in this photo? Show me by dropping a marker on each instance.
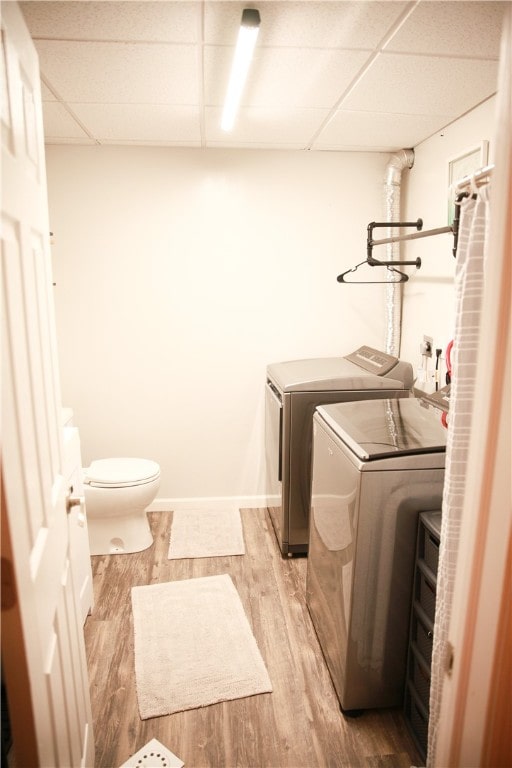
(117, 473)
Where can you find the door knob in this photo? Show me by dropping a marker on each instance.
(75, 501)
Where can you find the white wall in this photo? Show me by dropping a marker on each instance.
(180, 274)
(429, 294)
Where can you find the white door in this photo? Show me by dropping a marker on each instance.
(43, 653)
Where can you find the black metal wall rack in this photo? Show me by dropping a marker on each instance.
(461, 189)
(392, 265)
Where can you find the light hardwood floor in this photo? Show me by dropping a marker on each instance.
(298, 725)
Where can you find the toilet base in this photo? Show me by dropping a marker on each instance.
(104, 538)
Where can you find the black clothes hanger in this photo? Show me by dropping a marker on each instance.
(402, 277)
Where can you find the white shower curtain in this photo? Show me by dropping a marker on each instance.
(472, 264)
(469, 276)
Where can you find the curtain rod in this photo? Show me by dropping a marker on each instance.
(480, 175)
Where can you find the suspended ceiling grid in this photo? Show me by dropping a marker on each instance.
(357, 76)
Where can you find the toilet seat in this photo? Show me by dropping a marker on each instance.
(120, 473)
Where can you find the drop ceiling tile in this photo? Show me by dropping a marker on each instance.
(264, 125)
(105, 72)
(309, 78)
(423, 85)
(452, 29)
(176, 22)
(46, 94)
(59, 124)
(372, 129)
(140, 122)
(305, 24)
(254, 145)
(222, 21)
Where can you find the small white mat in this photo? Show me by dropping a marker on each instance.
(193, 646)
(206, 533)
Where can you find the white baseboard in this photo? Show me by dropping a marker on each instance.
(208, 502)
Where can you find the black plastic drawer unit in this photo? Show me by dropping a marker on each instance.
(417, 689)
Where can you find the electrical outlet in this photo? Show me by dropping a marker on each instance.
(426, 346)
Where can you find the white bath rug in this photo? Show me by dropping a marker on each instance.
(206, 533)
(153, 755)
(193, 646)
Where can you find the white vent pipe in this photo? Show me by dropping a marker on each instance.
(404, 158)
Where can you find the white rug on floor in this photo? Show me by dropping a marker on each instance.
(193, 646)
(206, 533)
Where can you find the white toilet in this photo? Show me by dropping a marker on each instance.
(117, 493)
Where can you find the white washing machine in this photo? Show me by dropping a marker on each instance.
(293, 390)
(376, 465)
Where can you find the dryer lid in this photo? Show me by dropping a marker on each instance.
(114, 473)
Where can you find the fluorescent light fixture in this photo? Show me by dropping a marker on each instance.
(243, 54)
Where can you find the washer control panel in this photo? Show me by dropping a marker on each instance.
(372, 360)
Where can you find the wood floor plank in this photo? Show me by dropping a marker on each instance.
(298, 725)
